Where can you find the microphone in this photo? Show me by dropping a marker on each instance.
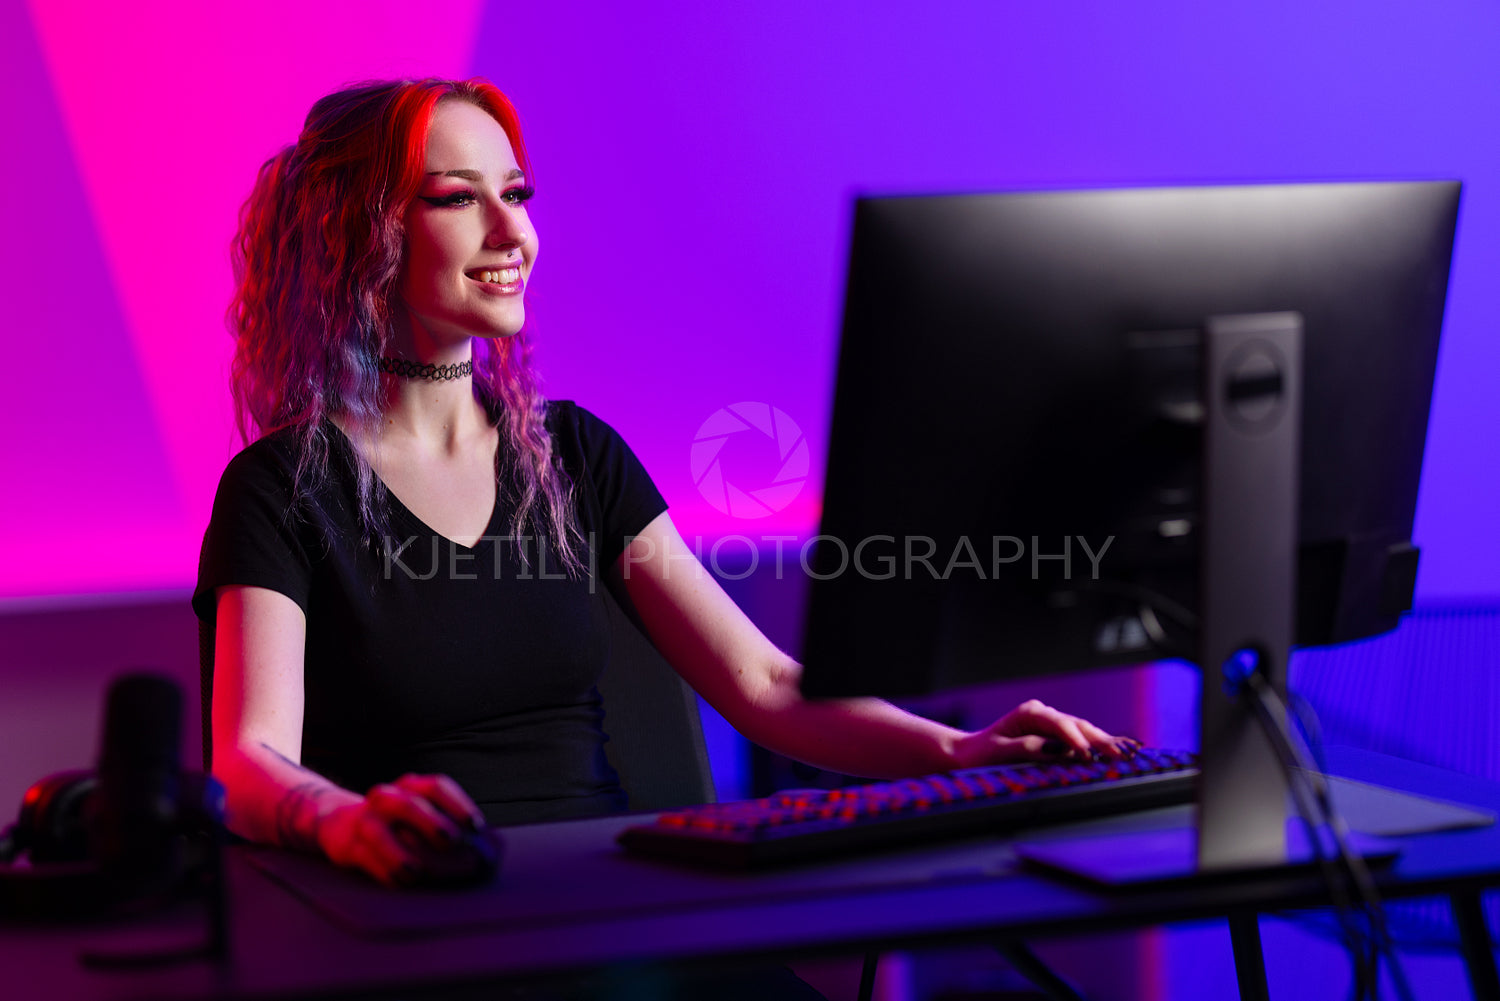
(141, 811)
(134, 813)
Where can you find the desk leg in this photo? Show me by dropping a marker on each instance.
(1029, 965)
(1249, 959)
(1478, 950)
(867, 976)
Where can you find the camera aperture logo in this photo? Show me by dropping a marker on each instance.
(749, 460)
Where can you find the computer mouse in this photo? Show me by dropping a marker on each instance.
(472, 861)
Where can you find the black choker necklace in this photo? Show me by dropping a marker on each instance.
(435, 373)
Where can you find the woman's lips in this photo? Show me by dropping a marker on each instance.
(486, 280)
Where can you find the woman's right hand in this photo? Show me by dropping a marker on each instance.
(397, 829)
(394, 833)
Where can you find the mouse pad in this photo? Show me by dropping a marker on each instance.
(564, 872)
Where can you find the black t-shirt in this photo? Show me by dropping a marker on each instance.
(426, 656)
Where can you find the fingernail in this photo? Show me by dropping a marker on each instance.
(1053, 746)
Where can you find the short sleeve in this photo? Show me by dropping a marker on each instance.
(254, 537)
(628, 499)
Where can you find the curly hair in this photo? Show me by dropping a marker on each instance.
(317, 256)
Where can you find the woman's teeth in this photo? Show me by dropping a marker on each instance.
(505, 276)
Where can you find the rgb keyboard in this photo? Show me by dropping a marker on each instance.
(805, 824)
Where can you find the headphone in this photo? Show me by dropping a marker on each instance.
(55, 877)
(85, 842)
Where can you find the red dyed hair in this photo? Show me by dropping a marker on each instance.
(316, 260)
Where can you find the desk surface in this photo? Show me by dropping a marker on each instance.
(568, 900)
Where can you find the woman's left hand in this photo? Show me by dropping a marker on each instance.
(1034, 731)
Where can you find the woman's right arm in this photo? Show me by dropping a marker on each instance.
(257, 738)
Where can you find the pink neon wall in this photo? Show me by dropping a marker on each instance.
(139, 129)
(694, 165)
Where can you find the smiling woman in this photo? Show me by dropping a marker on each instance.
(469, 242)
(401, 566)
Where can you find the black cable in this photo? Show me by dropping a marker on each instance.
(1310, 809)
(1343, 908)
(1310, 789)
(1354, 862)
(1308, 728)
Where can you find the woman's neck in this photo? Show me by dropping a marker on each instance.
(436, 413)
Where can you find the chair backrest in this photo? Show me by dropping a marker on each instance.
(651, 718)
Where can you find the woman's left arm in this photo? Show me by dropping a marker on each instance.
(754, 686)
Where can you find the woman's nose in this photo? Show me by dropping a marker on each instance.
(508, 228)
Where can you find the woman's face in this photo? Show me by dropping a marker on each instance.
(469, 242)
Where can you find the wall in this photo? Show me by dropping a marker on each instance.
(695, 164)
(59, 657)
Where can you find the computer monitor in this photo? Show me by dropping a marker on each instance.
(1115, 426)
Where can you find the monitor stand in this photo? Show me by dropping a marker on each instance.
(1251, 394)
(1252, 421)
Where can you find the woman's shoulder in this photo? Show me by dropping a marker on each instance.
(563, 415)
(270, 458)
(276, 448)
(585, 441)
(588, 445)
(567, 419)
(273, 463)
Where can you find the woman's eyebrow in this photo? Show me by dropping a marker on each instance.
(475, 175)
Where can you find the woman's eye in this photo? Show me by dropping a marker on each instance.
(516, 196)
(458, 198)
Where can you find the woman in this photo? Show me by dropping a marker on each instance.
(401, 569)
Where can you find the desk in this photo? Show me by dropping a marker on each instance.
(571, 902)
